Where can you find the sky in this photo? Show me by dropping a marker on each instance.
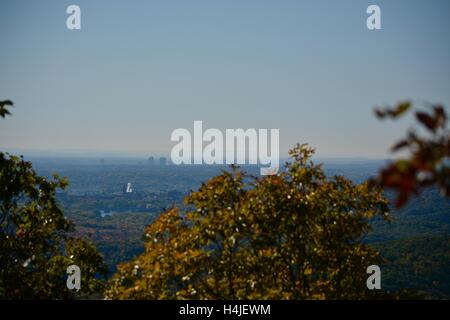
(138, 70)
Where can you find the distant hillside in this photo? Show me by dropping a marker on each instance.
(428, 214)
(420, 263)
(415, 243)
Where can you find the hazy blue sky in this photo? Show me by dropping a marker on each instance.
(137, 70)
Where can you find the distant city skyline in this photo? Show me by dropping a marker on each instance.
(137, 70)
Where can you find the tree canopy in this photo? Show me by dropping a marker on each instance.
(35, 242)
(296, 235)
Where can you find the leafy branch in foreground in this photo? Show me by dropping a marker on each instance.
(3, 108)
(428, 155)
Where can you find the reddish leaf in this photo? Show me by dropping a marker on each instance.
(399, 145)
(426, 120)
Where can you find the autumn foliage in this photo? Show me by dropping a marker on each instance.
(296, 235)
(427, 160)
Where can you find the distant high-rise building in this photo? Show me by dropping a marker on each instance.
(102, 161)
(163, 161)
(127, 188)
(151, 160)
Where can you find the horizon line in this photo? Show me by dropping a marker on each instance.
(91, 153)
